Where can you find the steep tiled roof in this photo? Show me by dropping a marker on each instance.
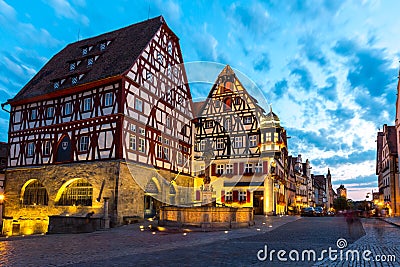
(197, 106)
(124, 46)
(392, 139)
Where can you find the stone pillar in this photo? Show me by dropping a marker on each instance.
(106, 217)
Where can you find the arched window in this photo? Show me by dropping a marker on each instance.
(78, 193)
(34, 193)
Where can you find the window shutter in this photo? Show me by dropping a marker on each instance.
(235, 168)
(241, 168)
(213, 169)
(265, 167)
(235, 196)
(248, 196)
(197, 195)
(222, 196)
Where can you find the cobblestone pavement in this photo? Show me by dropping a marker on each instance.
(127, 242)
(305, 234)
(382, 239)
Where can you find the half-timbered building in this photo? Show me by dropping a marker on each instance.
(248, 148)
(107, 117)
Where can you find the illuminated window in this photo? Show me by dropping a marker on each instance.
(142, 145)
(220, 168)
(35, 194)
(46, 148)
(253, 140)
(220, 143)
(139, 104)
(78, 193)
(87, 104)
(132, 142)
(276, 137)
(229, 169)
(31, 149)
(268, 137)
(83, 143)
(247, 120)
(108, 99)
(68, 108)
(50, 112)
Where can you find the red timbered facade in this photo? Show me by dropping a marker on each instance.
(106, 117)
(248, 147)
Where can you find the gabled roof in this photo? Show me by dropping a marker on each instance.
(197, 108)
(391, 138)
(125, 45)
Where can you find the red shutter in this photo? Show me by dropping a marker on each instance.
(241, 168)
(213, 169)
(197, 195)
(265, 167)
(248, 196)
(222, 196)
(235, 196)
(235, 168)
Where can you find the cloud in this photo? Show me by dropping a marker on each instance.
(6, 10)
(311, 50)
(303, 75)
(262, 63)
(64, 9)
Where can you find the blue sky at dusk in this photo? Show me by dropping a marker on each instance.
(329, 68)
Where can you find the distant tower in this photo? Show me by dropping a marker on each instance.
(342, 191)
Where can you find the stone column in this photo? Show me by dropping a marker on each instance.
(105, 213)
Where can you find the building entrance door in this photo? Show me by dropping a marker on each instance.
(150, 206)
(258, 202)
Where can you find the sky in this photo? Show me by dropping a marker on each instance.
(328, 68)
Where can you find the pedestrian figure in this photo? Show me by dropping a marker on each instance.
(349, 219)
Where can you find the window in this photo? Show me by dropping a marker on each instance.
(90, 61)
(253, 140)
(50, 112)
(238, 141)
(238, 101)
(103, 46)
(229, 169)
(35, 194)
(72, 66)
(46, 148)
(33, 114)
(159, 151)
(247, 120)
(87, 104)
(268, 137)
(84, 51)
(259, 167)
(31, 149)
(68, 108)
(78, 193)
(142, 145)
(149, 76)
(142, 131)
(133, 127)
(166, 141)
(166, 153)
(209, 124)
(180, 158)
(83, 143)
(228, 125)
(276, 137)
(56, 85)
(160, 58)
(228, 196)
(248, 168)
(169, 71)
(202, 145)
(168, 122)
(242, 196)
(220, 168)
(74, 80)
(170, 48)
(108, 99)
(220, 143)
(132, 142)
(139, 104)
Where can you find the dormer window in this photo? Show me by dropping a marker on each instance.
(90, 61)
(84, 51)
(170, 48)
(74, 80)
(72, 66)
(103, 46)
(56, 84)
(160, 58)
